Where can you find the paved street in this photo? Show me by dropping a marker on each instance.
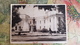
(38, 36)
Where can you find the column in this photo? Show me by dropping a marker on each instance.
(55, 23)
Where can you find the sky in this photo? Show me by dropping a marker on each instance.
(39, 10)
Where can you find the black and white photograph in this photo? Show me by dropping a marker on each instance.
(38, 23)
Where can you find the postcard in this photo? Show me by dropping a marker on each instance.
(42, 23)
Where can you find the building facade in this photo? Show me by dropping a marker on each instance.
(34, 19)
(50, 21)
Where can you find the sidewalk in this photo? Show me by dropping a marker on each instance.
(39, 34)
(44, 34)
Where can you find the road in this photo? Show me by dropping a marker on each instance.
(38, 36)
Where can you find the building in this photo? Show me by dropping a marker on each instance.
(35, 19)
(51, 20)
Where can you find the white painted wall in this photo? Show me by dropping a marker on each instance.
(47, 24)
(39, 16)
(24, 23)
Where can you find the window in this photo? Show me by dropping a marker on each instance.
(44, 26)
(50, 19)
(44, 21)
(40, 22)
(40, 27)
